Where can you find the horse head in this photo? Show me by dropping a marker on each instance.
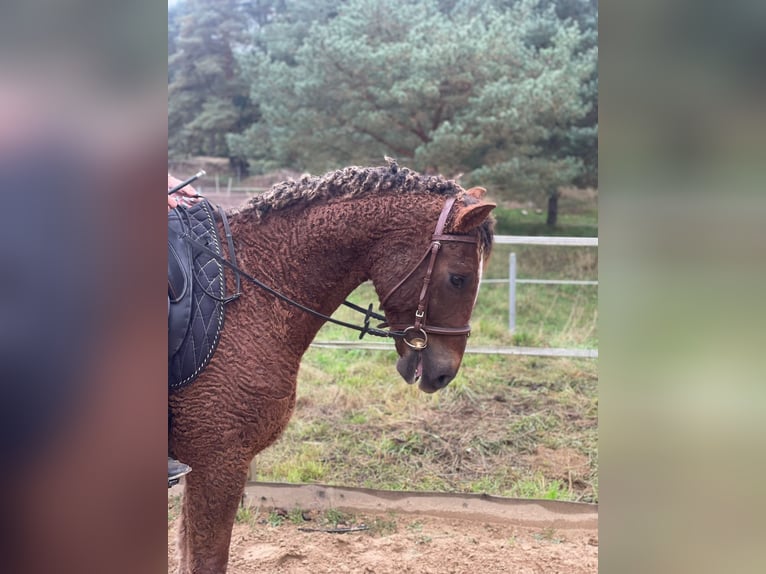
(432, 303)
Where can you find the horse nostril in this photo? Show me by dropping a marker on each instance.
(443, 381)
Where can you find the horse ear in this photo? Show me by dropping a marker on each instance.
(477, 192)
(471, 216)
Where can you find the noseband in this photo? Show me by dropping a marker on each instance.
(416, 335)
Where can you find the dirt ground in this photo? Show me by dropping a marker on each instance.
(420, 545)
(460, 535)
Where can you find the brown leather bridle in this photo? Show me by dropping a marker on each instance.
(416, 335)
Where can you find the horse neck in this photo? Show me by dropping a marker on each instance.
(318, 254)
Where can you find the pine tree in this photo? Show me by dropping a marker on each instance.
(206, 96)
(494, 90)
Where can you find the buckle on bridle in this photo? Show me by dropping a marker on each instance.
(417, 343)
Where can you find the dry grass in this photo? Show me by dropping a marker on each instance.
(506, 426)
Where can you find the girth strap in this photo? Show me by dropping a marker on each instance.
(232, 256)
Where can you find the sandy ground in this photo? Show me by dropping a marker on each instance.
(420, 544)
(446, 535)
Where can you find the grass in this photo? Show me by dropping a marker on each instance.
(320, 520)
(296, 516)
(384, 526)
(548, 535)
(246, 515)
(174, 507)
(511, 426)
(493, 430)
(275, 519)
(576, 218)
(546, 315)
(540, 487)
(334, 517)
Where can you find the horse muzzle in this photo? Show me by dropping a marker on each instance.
(423, 368)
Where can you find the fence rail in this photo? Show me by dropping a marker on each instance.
(478, 350)
(542, 281)
(546, 240)
(533, 240)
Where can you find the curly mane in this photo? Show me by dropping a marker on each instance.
(356, 181)
(348, 182)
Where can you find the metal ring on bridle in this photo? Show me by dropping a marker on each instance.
(417, 343)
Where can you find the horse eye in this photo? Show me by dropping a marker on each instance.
(457, 280)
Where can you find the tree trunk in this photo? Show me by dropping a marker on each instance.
(553, 208)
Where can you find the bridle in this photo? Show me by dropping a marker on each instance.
(416, 335)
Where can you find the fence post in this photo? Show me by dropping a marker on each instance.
(512, 293)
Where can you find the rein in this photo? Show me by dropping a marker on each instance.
(415, 335)
(368, 313)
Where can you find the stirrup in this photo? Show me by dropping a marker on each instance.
(176, 470)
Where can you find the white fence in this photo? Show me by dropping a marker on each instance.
(471, 350)
(545, 240)
(513, 280)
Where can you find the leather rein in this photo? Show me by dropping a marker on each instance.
(415, 335)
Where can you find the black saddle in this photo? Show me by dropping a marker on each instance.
(196, 291)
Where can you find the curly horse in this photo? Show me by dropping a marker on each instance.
(315, 240)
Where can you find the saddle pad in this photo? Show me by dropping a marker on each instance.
(202, 301)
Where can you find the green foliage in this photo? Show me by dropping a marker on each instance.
(384, 527)
(469, 87)
(246, 515)
(503, 92)
(548, 535)
(522, 339)
(539, 487)
(174, 508)
(206, 96)
(532, 222)
(275, 519)
(306, 466)
(334, 517)
(504, 440)
(296, 516)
